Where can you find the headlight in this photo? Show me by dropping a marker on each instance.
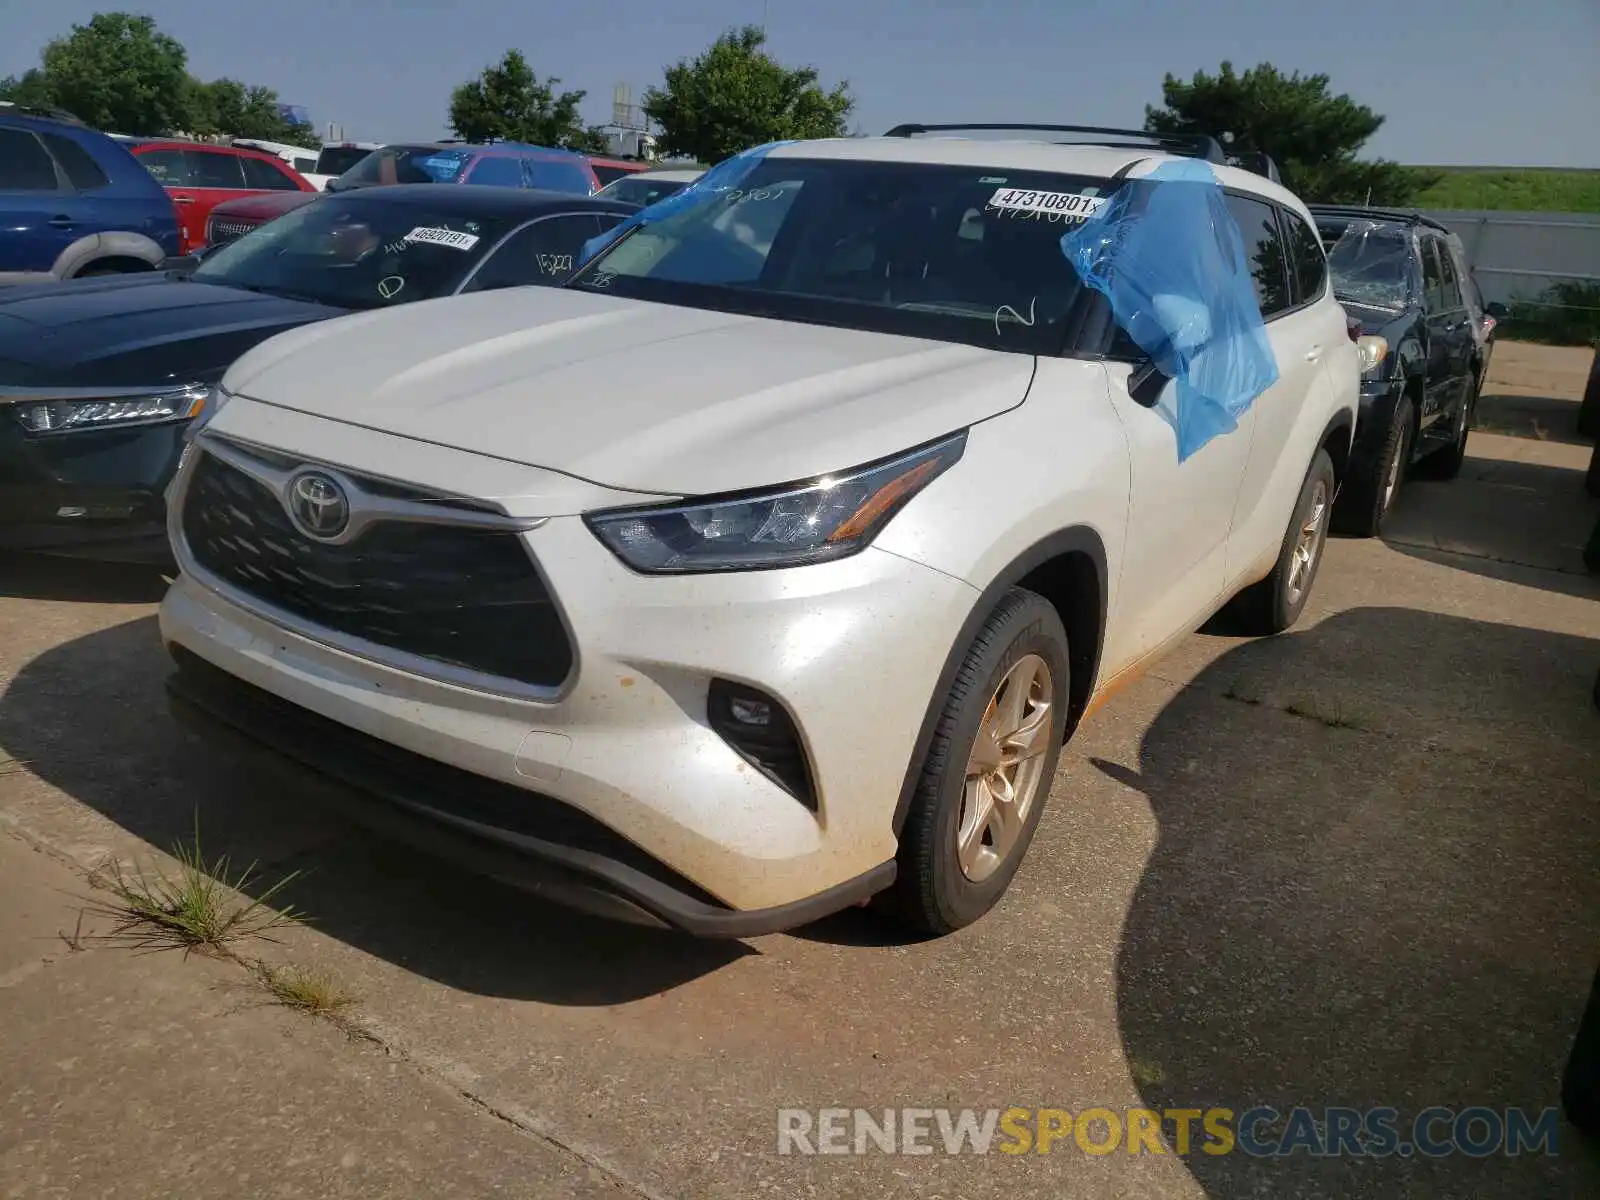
(1373, 350)
(111, 411)
(215, 399)
(832, 517)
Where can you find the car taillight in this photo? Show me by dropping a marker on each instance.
(1488, 325)
(1353, 328)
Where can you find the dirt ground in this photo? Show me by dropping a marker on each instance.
(1358, 864)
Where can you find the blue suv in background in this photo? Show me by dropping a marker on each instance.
(500, 164)
(73, 202)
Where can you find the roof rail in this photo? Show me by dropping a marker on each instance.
(1258, 162)
(48, 113)
(1410, 216)
(1190, 145)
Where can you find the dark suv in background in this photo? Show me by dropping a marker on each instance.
(1426, 340)
(73, 202)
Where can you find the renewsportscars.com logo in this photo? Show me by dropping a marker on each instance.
(1261, 1132)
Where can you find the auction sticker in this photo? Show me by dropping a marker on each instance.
(443, 237)
(1065, 204)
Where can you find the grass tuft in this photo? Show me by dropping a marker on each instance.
(309, 991)
(196, 908)
(1336, 716)
(1233, 693)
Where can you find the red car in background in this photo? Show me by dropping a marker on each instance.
(609, 170)
(233, 219)
(199, 177)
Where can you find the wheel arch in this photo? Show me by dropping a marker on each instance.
(1067, 568)
(121, 243)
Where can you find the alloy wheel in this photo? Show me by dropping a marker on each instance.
(1308, 544)
(1005, 769)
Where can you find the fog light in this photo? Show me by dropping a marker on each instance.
(749, 711)
(764, 734)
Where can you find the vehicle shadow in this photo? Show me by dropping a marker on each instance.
(41, 577)
(147, 774)
(1522, 522)
(1374, 884)
(1545, 418)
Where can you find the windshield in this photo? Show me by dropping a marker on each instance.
(356, 253)
(641, 189)
(1372, 264)
(963, 254)
(407, 164)
(336, 160)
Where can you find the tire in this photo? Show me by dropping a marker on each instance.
(1446, 463)
(1370, 489)
(1275, 604)
(938, 888)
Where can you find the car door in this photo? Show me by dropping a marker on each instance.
(198, 179)
(1442, 314)
(271, 175)
(1291, 273)
(545, 251)
(1180, 514)
(1459, 329)
(39, 210)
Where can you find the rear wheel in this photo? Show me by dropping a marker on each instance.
(988, 770)
(1276, 603)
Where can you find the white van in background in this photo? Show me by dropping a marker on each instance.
(300, 158)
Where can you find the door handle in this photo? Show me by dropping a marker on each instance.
(61, 222)
(183, 199)
(1314, 353)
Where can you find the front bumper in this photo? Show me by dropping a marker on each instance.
(96, 493)
(851, 649)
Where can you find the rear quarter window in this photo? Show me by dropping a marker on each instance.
(82, 170)
(557, 175)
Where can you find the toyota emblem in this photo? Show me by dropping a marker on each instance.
(318, 506)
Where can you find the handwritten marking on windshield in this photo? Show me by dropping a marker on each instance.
(754, 196)
(1031, 319)
(389, 286)
(555, 264)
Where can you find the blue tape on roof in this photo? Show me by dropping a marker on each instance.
(1168, 255)
(719, 180)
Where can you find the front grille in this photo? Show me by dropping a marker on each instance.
(220, 233)
(468, 598)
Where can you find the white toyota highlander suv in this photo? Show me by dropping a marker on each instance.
(766, 568)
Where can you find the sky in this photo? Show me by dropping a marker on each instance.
(1460, 81)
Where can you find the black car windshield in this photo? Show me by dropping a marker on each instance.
(1372, 264)
(407, 164)
(336, 160)
(963, 254)
(357, 252)
(642, 189)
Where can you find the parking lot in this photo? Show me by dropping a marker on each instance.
(1352, 865)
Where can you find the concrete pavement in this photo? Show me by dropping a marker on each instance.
(1354, 865)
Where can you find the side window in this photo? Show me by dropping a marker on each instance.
(558, 175)
(543, 252)
(1432, 277)
(1450, 285)
(82, 170)
(24, 165)
(1263, 253)
(264, 175)
(211, 170)
(170, 167)
(306, 166)
(497, 172)
(1309, 263)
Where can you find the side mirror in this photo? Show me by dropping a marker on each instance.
(1147, 382)
(1497, 310)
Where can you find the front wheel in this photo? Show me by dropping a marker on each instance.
(988, 770)
(1276, 603)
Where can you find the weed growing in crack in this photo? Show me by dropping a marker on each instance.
(309, 991)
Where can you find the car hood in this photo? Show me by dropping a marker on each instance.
(128, 331)
(265, 206)
(633, 395)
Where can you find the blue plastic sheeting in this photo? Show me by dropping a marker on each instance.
(442, 167)
(1168, 255)
(714, 184)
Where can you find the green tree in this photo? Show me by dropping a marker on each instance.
(736, 95)
(1312, 135)
(31, 89)
(120, 73)
(226, 106)
(508, 103)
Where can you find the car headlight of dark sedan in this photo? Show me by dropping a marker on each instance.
(70, 412)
